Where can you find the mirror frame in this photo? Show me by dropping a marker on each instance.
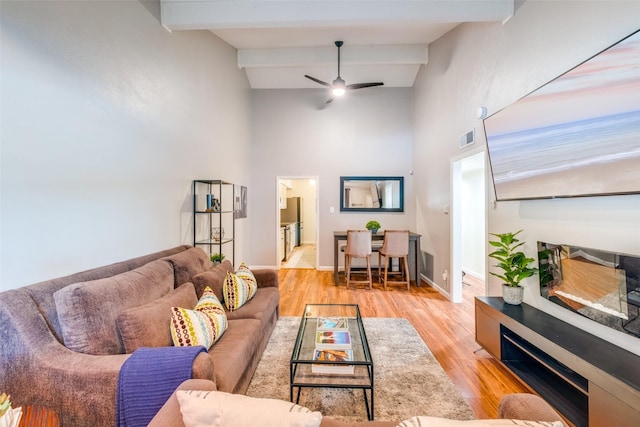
(371, 178)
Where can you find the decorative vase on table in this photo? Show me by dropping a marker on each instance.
(512, 294)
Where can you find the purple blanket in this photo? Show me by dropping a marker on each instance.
(148, 378)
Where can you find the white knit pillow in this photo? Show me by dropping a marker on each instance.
(220, 409)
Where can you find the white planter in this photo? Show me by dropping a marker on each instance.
(511, 295)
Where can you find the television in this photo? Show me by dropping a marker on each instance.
(600, 285)
(577, 135)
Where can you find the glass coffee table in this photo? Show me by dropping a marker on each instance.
(322, 357)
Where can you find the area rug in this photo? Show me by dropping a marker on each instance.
(408, 379)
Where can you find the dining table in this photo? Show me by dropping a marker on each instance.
(414, 252)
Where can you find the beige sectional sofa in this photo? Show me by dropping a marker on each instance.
(65, 340)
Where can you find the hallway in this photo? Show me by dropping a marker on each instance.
(303, 256)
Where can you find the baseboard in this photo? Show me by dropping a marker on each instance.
(435, 286)
(259, 267)
(474, 274)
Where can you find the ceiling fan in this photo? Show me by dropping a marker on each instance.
(339, 86)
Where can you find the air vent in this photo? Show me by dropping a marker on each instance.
(467, 139)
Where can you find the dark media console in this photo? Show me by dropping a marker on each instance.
(590, 381)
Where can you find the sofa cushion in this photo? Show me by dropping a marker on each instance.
(149, 325)
(234, 354)
(213, 278)
(422, 421)
(88, 311)
(216, 408)
(204, 325)
(264, 304)
(239, 287)
(189, 263)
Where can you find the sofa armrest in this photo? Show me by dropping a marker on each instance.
(525, 406)
(169, 415)
(202, 368)
(82, 388)
(266, 278)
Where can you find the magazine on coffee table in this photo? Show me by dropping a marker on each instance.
(333, 356)
(332, 323)
(333, 340)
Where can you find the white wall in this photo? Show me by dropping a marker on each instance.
(106, 120)
(367, 133)
(493, 65)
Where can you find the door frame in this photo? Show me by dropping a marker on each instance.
(317, 222)
(455, 289)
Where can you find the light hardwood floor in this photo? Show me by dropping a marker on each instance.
(447, 328)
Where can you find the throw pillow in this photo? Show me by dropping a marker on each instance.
(204, 325)
(148, 325)
(217, 408)
(421, 421)
(239, 287)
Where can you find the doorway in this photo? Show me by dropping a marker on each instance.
(468, 225)
(297, 222)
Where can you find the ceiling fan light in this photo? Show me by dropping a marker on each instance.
(339, 87)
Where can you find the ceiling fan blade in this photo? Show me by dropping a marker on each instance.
(330, 100)
(318, 81)
(363, 85)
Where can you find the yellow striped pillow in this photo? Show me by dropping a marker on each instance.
(239, 288)
(203, 325)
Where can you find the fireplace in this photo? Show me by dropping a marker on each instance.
(600, 285)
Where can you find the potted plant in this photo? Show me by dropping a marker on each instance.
(374, 226)
(217, 258)
(514, 264)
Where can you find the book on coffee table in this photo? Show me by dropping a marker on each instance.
(333, 340)
(333, 356)
(332, 323)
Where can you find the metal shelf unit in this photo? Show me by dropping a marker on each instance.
(214, 222)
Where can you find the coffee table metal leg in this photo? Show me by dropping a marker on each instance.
(298, 397)
(372, 413)
(367, 405)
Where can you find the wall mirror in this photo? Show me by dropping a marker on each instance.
(372, 194)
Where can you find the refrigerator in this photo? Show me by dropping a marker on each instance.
(292, 214)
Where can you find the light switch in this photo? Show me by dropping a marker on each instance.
(332, 209)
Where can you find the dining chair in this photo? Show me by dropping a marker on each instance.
(395, 245)
(358, 246)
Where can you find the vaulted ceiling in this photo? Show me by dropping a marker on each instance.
(279, 41)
